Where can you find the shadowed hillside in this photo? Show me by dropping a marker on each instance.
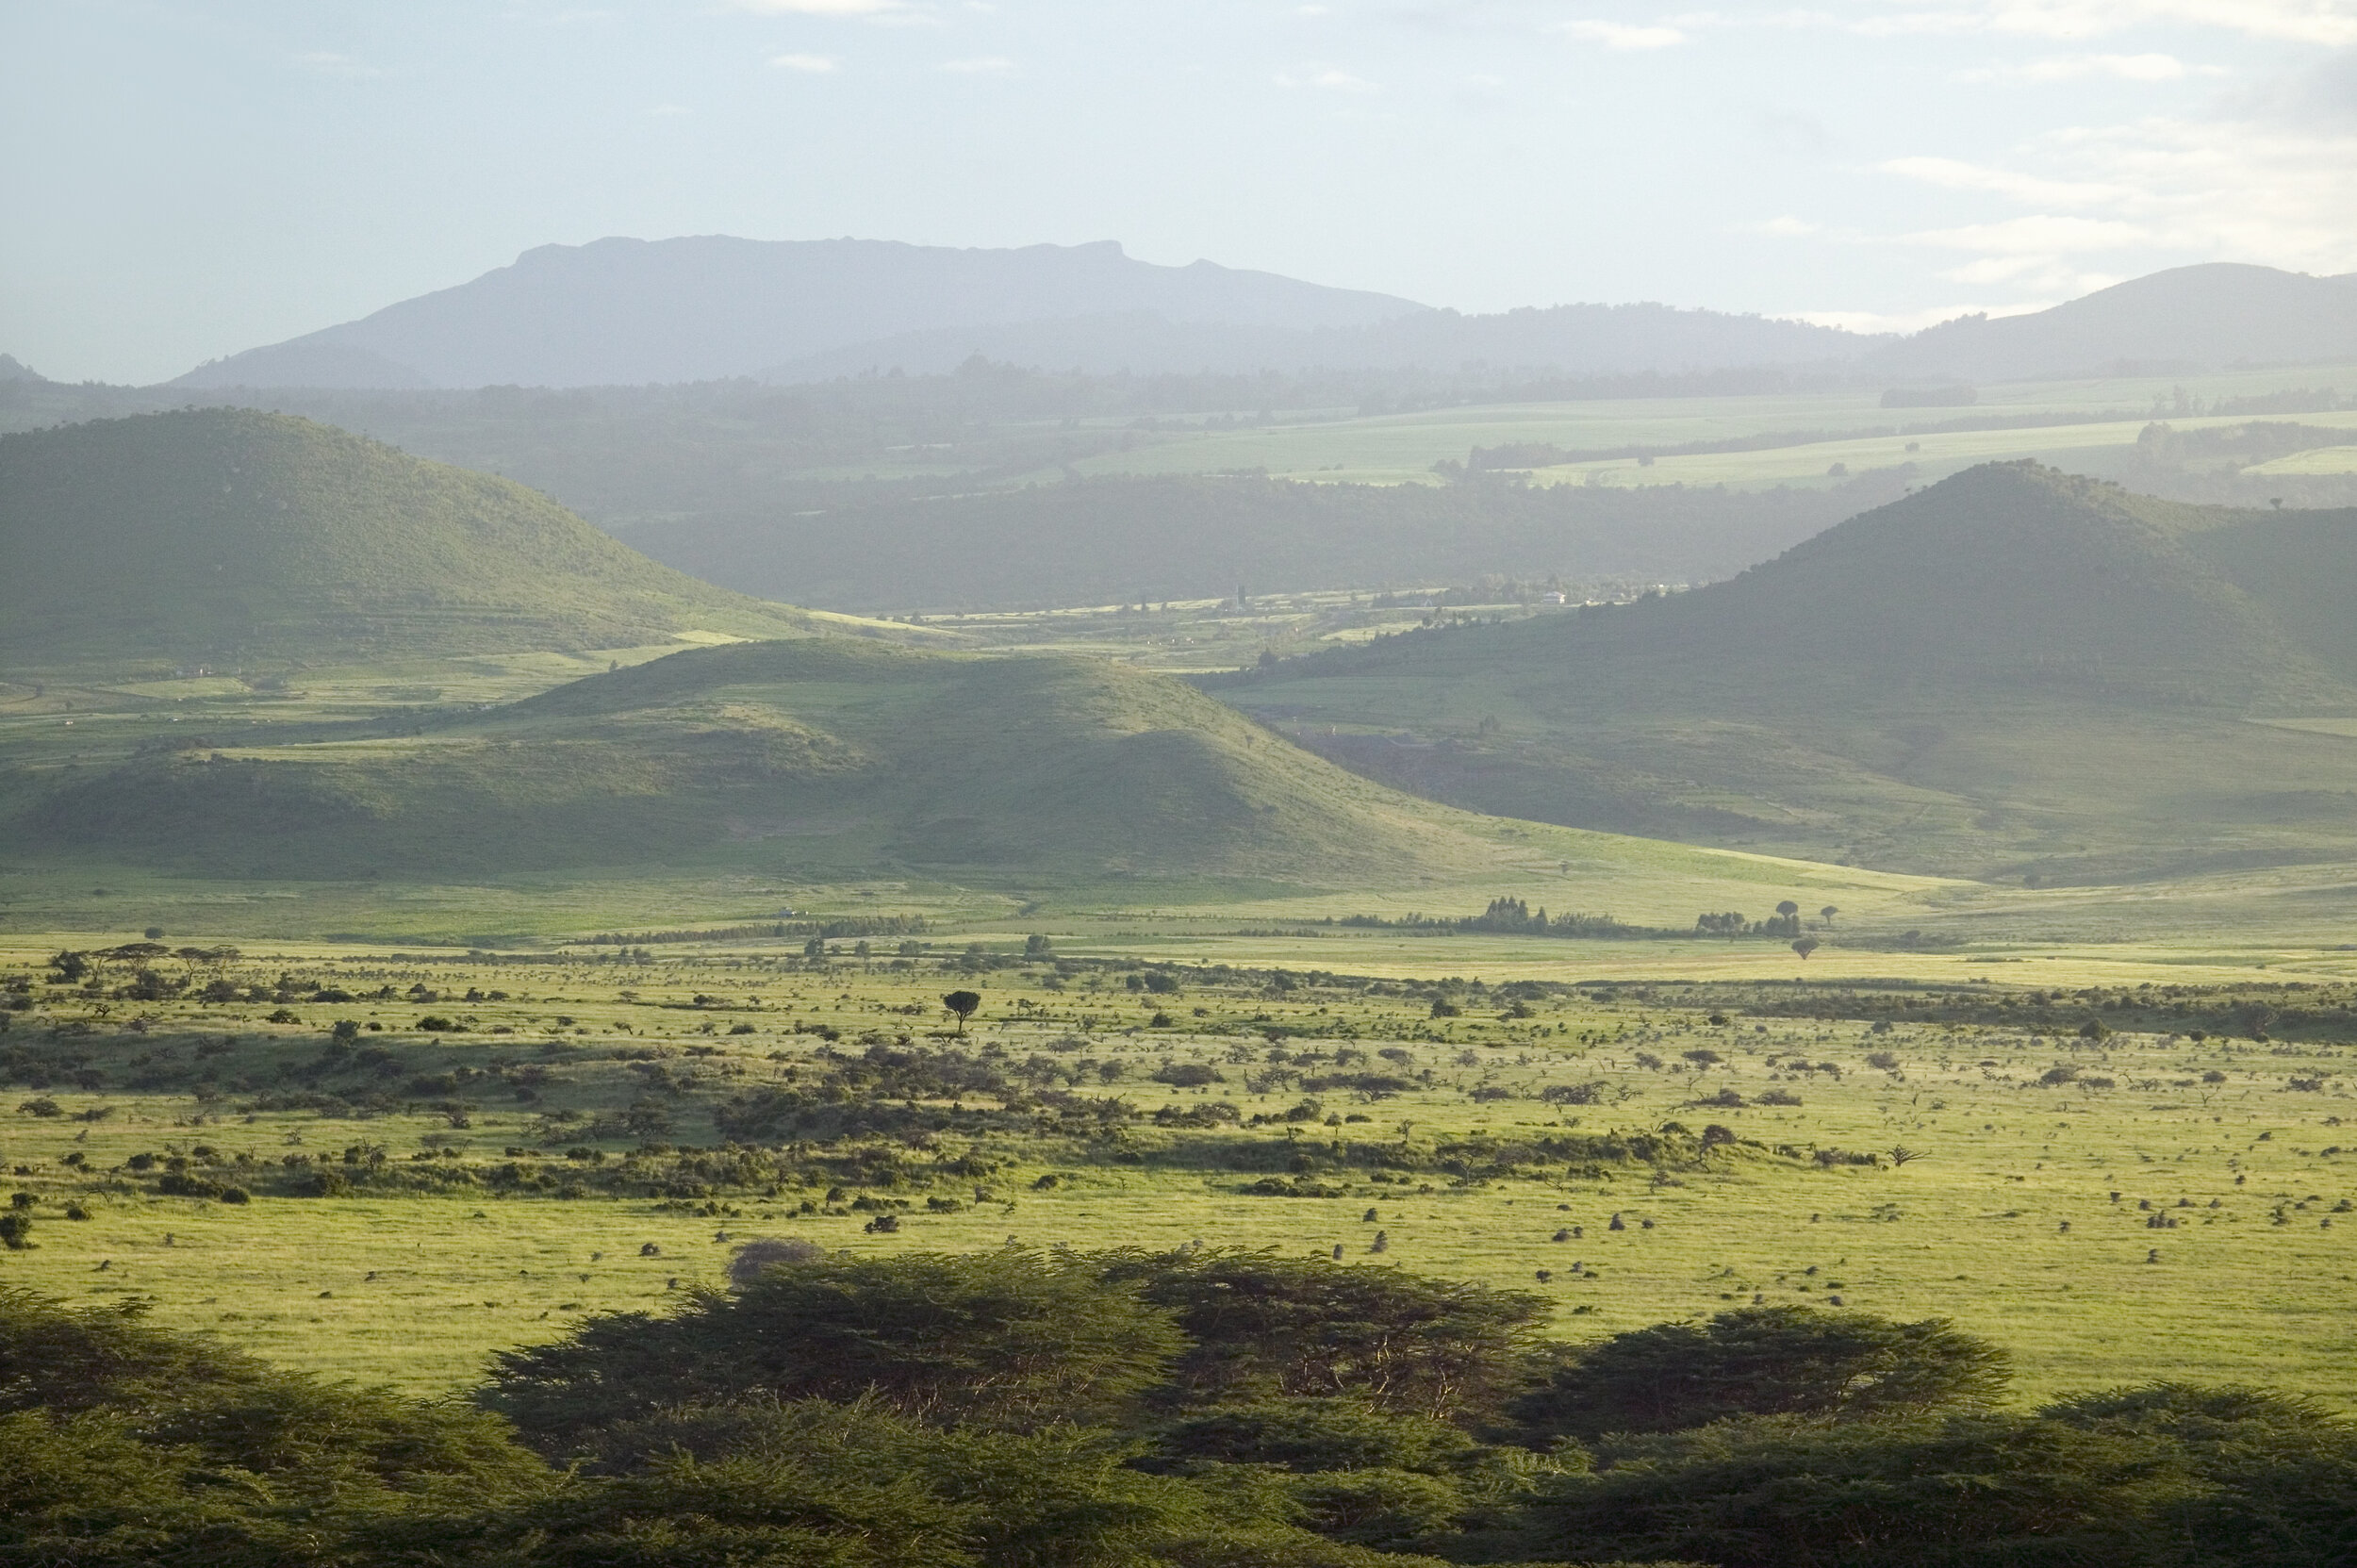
(2012, 672)
(2302, 566)
(1100, 540)
(226, 538)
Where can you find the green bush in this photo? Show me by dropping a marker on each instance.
(1314, 1435)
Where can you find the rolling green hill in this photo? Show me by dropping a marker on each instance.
(834, 759)
(2012, 673)
(229, 538)
(819, 752)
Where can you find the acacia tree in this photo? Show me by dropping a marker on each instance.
(1807, 946)
(1767, 1360)
(1401, 1343)
(1009, 1337)
(963, 1004)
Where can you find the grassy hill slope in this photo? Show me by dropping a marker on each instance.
(2014, 672)
(230, 538)
(823, 753)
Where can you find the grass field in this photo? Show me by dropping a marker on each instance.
(1935, 455)
(2330, 459)
(2240, 1269)
(1401, 447)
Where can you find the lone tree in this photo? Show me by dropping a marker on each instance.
(1807, 946)
(963, 1004)
(1827, 914)
(1787, 909)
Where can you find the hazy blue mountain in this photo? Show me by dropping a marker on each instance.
(631, 312)
(307, 362)
(1574, 339)
(634, 312)
(619, 312)
(13, 369)
(2188, 317)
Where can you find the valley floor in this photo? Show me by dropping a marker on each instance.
(2105, 1168)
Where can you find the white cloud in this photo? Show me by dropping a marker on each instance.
(814, 65)
(982, 65)
(1786, 227)
(2239, 191)
(2200, 191)
(2073, 68)
(2039, 235)
(2332, 23)
(1621, 35)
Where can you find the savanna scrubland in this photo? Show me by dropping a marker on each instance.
(1374, 1032)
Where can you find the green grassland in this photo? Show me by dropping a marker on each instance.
(596, 1102)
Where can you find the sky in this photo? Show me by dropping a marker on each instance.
(190, 179)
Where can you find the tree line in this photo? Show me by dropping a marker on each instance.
(1198, 1409)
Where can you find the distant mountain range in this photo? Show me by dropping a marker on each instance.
(632, 312)
(621, 312)
(626, 312)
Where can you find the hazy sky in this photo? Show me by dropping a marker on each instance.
(185, 180)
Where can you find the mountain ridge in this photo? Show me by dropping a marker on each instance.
(622, 311)
(2207, 316)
